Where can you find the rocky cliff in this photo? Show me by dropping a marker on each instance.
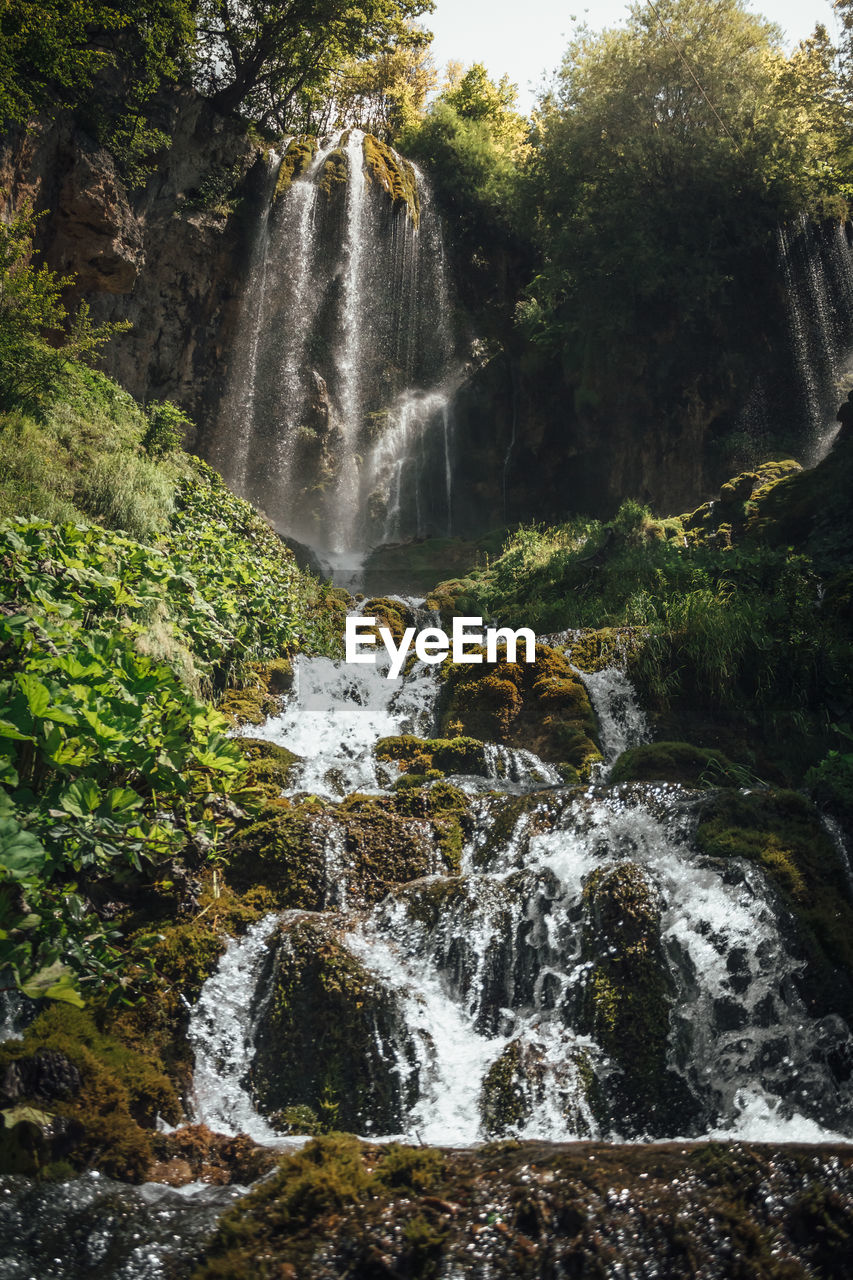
(168, 255)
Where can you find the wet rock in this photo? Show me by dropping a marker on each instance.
(540, 706)
(309, 854)
(441, 755)
(541, 1210)
(193, 1153)
(329, 1036)
(47, 1075)
(629, 994)
(522, 1079)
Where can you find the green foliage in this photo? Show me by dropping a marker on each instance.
(278, 66)
(664, 161)
(35, 349)
(104, 60)
(473, 143)
(385, 94)
(168, 427)
(732, 641)
(110, 765)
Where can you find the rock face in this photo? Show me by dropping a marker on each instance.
(167, 256)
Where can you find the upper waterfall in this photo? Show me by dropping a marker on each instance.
(336, 418)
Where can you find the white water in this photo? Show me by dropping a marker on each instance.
(819, 308)
(494, 961)
(337, 417)
(221, 1031)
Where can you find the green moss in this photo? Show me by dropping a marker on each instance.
(106, 1122)
(259, 695)
(676, 762)
(321, 1041)
(629, 994)
(594, 649)
(542, 706)
(294, 162)
(334, 174)
(394, 174)
(271, 766)
(442, 755)
(781, 832)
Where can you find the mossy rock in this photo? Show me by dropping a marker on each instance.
(541, 706)
(442, 755)
(296, 159)
(325, 1038)
(516, 1083)
(676, 762)
(393, 174)
(810, 509)
(260, 695)
(394, 615)
(333, 175)
(629, 993)
(781, 832)
(281, 859)
(594, 649)
(181, 956)
(271, 767)
(101, 1097)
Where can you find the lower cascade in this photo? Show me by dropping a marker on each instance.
(584, 968)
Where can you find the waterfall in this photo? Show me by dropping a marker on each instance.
(484, 984)
(337, 416)
(816, 265)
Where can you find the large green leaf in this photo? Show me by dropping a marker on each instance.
(81, 798)
(55, 982)
(21, 853)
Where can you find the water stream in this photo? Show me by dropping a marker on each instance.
(489, 973)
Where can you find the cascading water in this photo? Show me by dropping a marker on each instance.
(490, 980)
(337, 417)
(817, 269)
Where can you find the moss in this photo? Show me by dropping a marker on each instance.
(676, 762)
(533, 1208)
(629, 994)
(542, 706)
(334, 174)
(283, 851)
(169, 963)
(322, 1040)
(781, 832)
(391, 614)
(103, 1119)
(296, 159)
(594, 649)
(280, 860)
(271, 766)
(259, 697)
(441, 755)
(394, 174)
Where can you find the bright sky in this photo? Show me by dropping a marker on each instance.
(526, 38)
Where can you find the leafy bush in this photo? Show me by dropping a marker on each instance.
(168, 427)
(35, 348)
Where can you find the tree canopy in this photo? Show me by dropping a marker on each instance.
(275, 59)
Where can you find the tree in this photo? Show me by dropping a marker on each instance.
(664, 162)
(275, 59)
(37, 337)
(52, 52)
(385, 94)
(474, 144)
